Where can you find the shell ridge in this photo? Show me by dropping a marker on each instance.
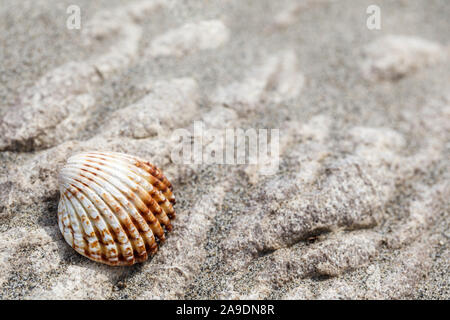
(93, 247)
(160, 189)
(143, 225)
(137, 169)
(128, 226)
(79, 243)
(143, 233)
(123, 161)
(106, 240)
(64, 222)
(114, 208)
(112, 222)
(140, 201)
(144, 195)
(152, 169)
(83, 250)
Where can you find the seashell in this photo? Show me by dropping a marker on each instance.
(114, 207)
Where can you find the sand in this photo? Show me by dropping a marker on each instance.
(358, 208)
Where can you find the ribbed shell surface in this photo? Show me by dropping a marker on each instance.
(114, 207)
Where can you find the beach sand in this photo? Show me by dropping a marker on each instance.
(358, 208)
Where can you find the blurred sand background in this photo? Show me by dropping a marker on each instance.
(359, 208)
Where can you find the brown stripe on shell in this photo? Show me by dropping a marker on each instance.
(114, 206)
(116, 229)
(142, 199)
(154, 181)
(133, 236)
(161, 182)
(109, 248)
(149, 219)
(145, 196)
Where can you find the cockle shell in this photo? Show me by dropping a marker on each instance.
(114, 207)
